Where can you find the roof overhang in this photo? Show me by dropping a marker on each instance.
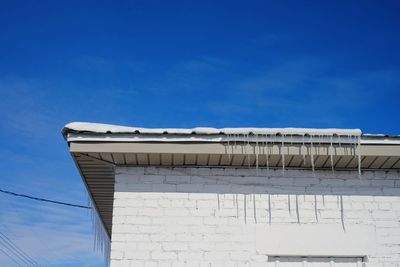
(98, 148)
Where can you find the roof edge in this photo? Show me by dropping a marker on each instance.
(100, 128)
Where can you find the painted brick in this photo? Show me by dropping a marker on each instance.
(199, 216)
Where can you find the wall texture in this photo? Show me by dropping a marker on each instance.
(239, 217)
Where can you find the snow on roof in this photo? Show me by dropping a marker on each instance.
(99, 128)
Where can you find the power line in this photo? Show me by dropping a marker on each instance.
(11, 258)
(16, 255)
(14, 247)
(44, 199)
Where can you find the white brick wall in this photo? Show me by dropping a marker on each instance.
(211, 216)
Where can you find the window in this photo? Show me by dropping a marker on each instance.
(285, 261)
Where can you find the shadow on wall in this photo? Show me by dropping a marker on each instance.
(270, 195)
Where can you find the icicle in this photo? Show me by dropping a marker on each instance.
(304, 154)
(237, 205)
(101, 238)
(359, 156)
(320, 136)
(242, 143)
(332, 262)
(247, 152)
(342, 213)
(232, 145)
(297, 209)
(283, 155)
(244, 208)
(312, 156)
(269, 209)
(227, 150)
(289, 208)
(331, 150)
(235, 137)
(254, 208)
(219, 204)
(257, 152)
(267, 155)
(315, 207)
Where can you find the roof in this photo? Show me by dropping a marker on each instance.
(100, 128)
(98, 148)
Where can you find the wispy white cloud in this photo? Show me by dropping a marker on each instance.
(301, 92)
(51, 235)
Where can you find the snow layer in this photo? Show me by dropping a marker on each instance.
(99, 128)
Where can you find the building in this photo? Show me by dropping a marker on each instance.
(242, 196)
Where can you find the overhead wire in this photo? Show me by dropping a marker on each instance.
(44, 199)
(31, 261)
(11, 258)
(9, 248)
(15, 253)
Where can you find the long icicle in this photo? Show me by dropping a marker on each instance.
(227, 150)
(304, 154)
(359, 155)
(257, 152)
(101, 239)
(237, 205)
(331, 150)
(247, 152)
(312, 156)
(283, 155)
(254, 208)
(316, 207)
(269, 209)
(245, 208)
(267, 155)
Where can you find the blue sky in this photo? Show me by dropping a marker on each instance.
(176, 64)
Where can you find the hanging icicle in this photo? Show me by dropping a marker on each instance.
(359, 155)
(297, 209)
(254, 208)
(331, 150)
(283, 155)
(269, 209)
(316, 207)
(267, 155)
(304, 153)
(235, 139)
(257, 152)
(342, 212)
(312, 156)
(228, 148)
(237, 205)
(247, 144)
(245, 208)
(101, 238)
